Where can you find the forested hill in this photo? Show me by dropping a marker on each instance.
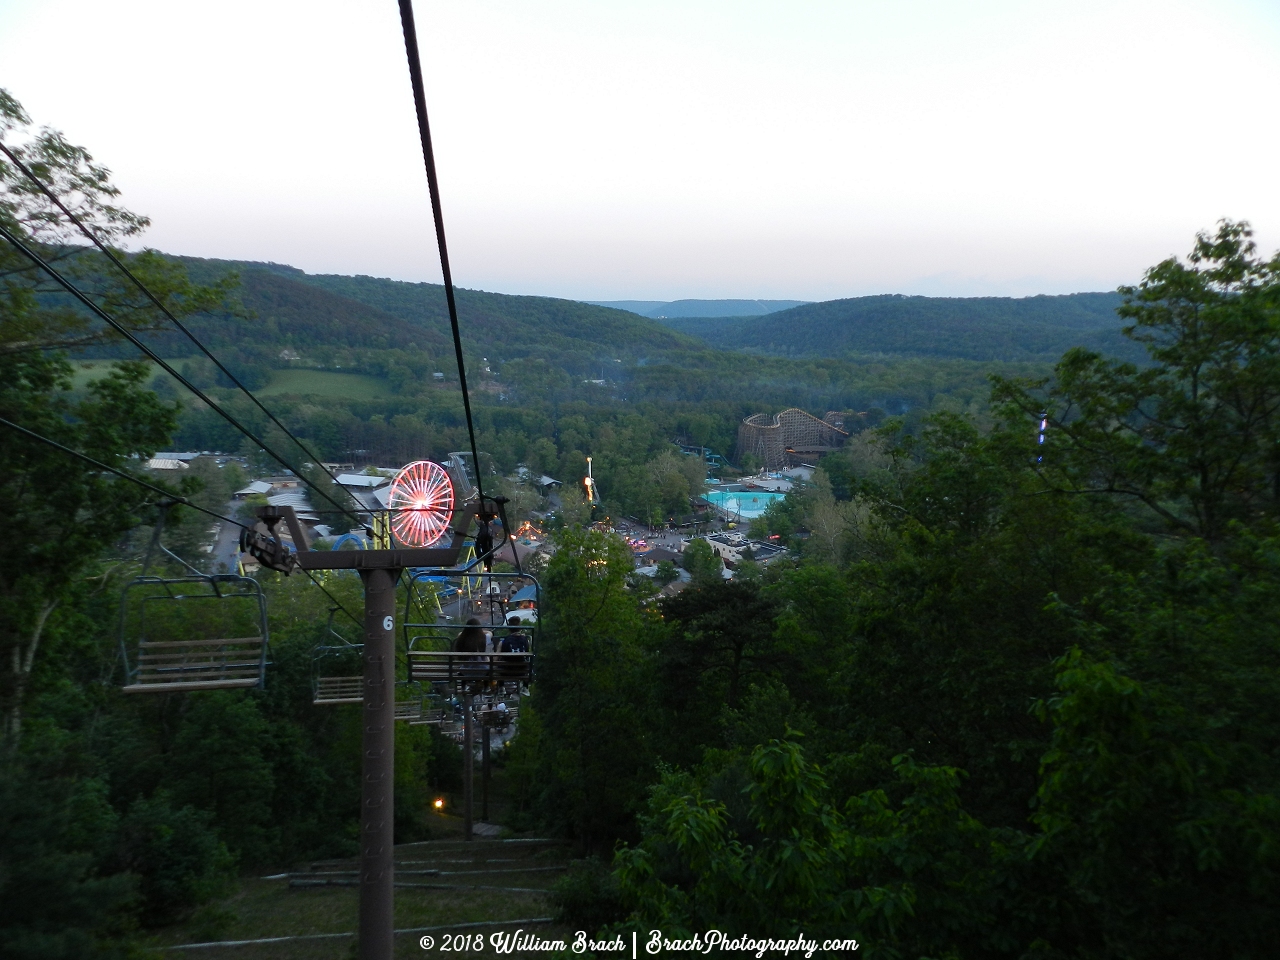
(972, 328)
(287, 307)
(292, 308)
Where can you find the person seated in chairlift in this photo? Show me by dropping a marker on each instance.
(516, 641)
(471, 639)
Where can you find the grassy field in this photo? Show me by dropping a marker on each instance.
(325, 383)
(320, 383)
(87, 370)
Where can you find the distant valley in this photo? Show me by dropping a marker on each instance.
(664, 309)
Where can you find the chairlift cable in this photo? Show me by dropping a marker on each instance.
(433, 185)
(176, 498)
(163, 364)
(169, 494)
(160, 306)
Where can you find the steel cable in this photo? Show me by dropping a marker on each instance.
(171, 495)
(433, 185)
(119, 473)
(26, 171)
(163, 364)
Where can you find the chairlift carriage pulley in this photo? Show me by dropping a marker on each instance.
(264, 544)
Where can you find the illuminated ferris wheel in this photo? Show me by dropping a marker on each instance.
(421, 503)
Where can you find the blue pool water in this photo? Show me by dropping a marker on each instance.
(749, 504)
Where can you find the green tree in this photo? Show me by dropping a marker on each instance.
(574, 511)
(717, 642)
(835, 527)
(62, 512)
(1161, 833)
(667, 572)
(175, 853)
(220, 762)
(1193, 437)
(31, 319)
(593, 750)
(702, 562)
(916, 877)
(55, 901)
(782, 517)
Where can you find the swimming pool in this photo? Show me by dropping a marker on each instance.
(747, 504)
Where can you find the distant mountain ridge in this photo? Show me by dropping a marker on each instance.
(972, 328)
(662, 309)
(295, 308)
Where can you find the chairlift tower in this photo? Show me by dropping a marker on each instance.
(379, 570)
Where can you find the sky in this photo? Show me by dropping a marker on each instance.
(687, 149)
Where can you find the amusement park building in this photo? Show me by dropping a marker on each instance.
(788, 438)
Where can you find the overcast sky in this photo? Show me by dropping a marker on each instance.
(661, 150)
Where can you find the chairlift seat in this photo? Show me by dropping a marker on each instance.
(496, 719)
(409, 711)
(175, 665)
(338, 690)
(431, 666)
(432, 716)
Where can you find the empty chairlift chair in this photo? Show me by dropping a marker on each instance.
(411, 701)
(336, 672)
(337, 678)
(199, 632)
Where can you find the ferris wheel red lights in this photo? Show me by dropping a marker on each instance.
(421, 503)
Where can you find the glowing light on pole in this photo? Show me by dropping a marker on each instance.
(420, 502)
